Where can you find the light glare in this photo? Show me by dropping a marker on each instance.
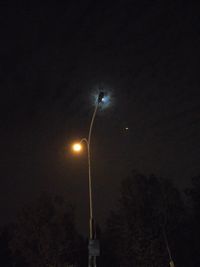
(77, 147)
(107, 99)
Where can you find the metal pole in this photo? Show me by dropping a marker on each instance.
(171, 263)
(91, 259)
(89, 172)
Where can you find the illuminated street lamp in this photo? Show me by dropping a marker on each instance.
(77, 147)
(93, 247)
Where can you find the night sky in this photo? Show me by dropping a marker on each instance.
(54, 58)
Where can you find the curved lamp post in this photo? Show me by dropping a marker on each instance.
(93, 248)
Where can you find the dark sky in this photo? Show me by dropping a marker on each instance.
(54, 57)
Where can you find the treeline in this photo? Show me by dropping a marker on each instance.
(153, 225)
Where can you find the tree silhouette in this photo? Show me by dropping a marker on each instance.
(142, 230)
(6, 259)
(45, 234)
(194, 232)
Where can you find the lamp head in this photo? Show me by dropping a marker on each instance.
(77, 147)
(101, 97)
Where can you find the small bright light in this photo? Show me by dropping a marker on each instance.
(126, 128)
(77, 147)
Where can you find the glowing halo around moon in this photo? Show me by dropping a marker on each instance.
(106, 100)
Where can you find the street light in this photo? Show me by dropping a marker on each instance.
(77, 147)
(93, 247)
